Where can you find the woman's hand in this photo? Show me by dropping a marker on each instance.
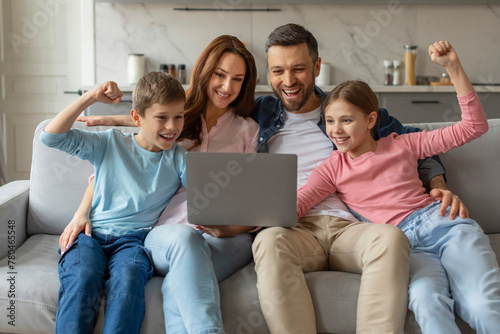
(96, 120)
(115, 120)
(223, 231)
(79, 223)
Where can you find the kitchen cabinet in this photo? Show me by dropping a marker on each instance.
(433, 107)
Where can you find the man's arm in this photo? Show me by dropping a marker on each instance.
(106, 92)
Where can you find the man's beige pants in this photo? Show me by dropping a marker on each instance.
(381, 253)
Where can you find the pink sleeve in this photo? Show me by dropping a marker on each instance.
(252, 148)
(318, 187)
(472, 126)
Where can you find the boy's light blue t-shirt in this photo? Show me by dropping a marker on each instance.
(132, 185)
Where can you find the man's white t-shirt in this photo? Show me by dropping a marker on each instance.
(302, 136)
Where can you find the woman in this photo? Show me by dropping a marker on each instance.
(219, 101)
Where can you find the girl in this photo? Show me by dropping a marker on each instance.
(218, 102)
(451, 260)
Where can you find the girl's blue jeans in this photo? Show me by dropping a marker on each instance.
(193, 264)
(452, 269)
(119, 267)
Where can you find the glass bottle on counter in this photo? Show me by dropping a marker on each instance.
(181, 73)
(396, 75)
(171, 70)
(388, 72)
(163, 68)
(410, 58)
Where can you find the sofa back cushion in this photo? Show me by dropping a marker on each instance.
(58, 181)
(472, 173)
(57, 184)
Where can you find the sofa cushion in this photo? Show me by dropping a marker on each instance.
(56, 189)
(36, 290)
(472, 174)
(36, 286)
(58, 182)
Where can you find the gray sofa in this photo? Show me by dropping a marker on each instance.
(33, 213)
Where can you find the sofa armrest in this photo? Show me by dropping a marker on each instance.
(13, 214)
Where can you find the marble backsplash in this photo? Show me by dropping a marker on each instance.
(354, 39)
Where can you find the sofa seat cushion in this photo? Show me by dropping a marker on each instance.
(36, 290)
(334, 295)
(36, 286)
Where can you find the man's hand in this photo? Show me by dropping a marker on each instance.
(78, 224)
(439, 192)
(447, 199)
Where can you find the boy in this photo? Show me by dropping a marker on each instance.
(135, 177)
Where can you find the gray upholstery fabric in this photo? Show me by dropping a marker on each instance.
(14, 205)
(58, 182)
(36, 286)
(56, 188)
(472, 173)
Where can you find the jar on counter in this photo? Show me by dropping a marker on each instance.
(410, 58)
(323, 78)
(163, 68)
(171, 70)
(395, 75)
(181, 73)
(135, 67)
(388, 72)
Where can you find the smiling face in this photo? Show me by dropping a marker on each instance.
(348, 127)
(226, 81)
(292, 73)
(160, 126)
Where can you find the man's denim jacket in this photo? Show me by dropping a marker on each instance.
(269, 113)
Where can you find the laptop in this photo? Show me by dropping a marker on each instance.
(247, 189)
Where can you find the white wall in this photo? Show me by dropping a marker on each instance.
(355, 39)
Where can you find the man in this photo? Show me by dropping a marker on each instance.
(294, 123)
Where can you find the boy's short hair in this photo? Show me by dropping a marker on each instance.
(293, 34)
(156, 87)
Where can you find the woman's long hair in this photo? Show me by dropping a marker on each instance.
(196, 95)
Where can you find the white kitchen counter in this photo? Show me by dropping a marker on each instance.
(402, 89)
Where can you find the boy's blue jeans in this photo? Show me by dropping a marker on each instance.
(453, 268)
(118, 267)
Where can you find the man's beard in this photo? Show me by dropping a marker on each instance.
(292, 106)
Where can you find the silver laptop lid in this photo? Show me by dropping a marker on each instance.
(249, 189)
